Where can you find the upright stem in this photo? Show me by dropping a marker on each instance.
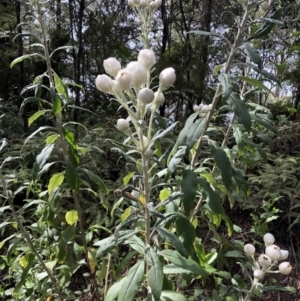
(28, 239)
(237, 40)
(251, 291)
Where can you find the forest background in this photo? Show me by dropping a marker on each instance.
(263, 197)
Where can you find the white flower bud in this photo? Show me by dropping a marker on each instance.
(206, 108)
(139, 22)
(116, 89)
(145, 142)
(147, 58)
(265, 6)
(104, 83)
(249, 249)
(155, 4)
(256, 266)
(259, 274)
(284, 254)
(196, 108)
(112, 66)
(138, 73)
(144, 3)
(145, 96)
(285, 268)
(264, 260)
(167, 78)
(122, 125)
(160, 99)
(124, 79)
(131, 3)
(269, 239)
(273, 252)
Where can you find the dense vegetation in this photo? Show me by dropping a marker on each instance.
(148, 149)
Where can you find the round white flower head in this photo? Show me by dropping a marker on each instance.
(264, 260)
(139, 22)
(112, 66)
(147, 58)
(138, 73)
(145, 96)
(285, 268)
(259, 274)
(122, 125)
(273, 252)
(124, 79)
(144, 3)
(206, 108)
(104, 83)
(265, 6)
(116, 89)
(131, 3)
(284, 254)
(269, 239)
(249, 249)
(167, 78)
(160, 99)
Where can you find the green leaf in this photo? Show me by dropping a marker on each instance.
(184, 263)
(194, 132)
(41, 160)
(60, 86)
(240, 181)
(62, 247)
(72, 217)
(265, 123)
(176, 159)
(97, 180)
(155, 273)
(186, 232)
(239, 139)
(72, 177)
(254, 83)
(114, 290)
(189, 187)
(257, 147)
(252, 53)
(226, 83)
(207, 33)
(172, 239)
(55, 181)
(214, 201)
(234, 253)
(132, 282)
(223, 163)
(240, 110)
(36, 115)
(127, 178)
(267, 27)
(172, 296)
(216, 296)
(22, 58)
(51, 138)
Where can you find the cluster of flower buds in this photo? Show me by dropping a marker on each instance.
(267, 261)
(265, 6)
(202, 109)
(153, 5)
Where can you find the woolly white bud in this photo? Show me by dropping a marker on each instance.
(259, 274)
(269, 239)
(122, 125)
(112, 66)
(147, 58)
(167, 78)
(206, 108)
(285, 268)
(160, 99)
(273, 252)
(264, 260)
(139, 22)
(131, 3)
(145, 96)
(144, 3)
(124, 79)
(265, 6)
(284, 254)
(249, 249)
(138, 73)
(104, 83)
(196, 108)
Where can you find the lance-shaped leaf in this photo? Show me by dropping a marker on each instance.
(172, 239)
(226, 83)
(257, 147)
(194, 132)
(155, 273)
(214, 201)
(132, 282)
(252, 53)
(265, 123)
(114, 290)
(41, 160)
(223, 163)
(189, 187)
(172, 296)
(240, 110)
(184, 263)
(72, 177)
(254, 83)
(97, 180)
